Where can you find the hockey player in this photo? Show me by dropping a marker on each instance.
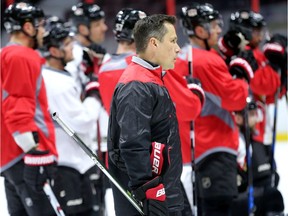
(216, 135)
(267, 200)
(111, 70)
(28, 152)
(266, 79)
(77, 170)
(88, 23)
(142, 120)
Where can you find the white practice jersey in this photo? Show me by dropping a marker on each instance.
(64, 98)
(103, 123)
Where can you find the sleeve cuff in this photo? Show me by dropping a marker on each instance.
(25, 141)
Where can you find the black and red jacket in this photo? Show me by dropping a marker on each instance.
(141, 113)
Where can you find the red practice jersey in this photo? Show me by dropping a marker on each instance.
(215, 128)
(109, 74)
(24, 103)
(188, 107)
(264, 86)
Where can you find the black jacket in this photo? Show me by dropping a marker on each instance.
(141, 113)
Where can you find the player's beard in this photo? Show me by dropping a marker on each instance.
(35, 43)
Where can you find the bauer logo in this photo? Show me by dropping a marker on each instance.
(156, 158)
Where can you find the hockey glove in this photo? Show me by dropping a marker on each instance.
(244, 65)
(87, 64)
(275, 51)
(152, 195)
(194, 85)
(40, 166)
(232, 43)
(97, 49)
(92, 56)
(242, 180)
(92, 88)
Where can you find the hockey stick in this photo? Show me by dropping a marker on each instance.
(273, 164)
(192, 140)
(99, 163)
(249, 161)
(53, 200)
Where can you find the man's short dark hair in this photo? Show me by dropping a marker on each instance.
(151, 26)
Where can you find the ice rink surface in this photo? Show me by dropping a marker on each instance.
(281, 156)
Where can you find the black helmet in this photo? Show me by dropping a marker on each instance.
(52, 20)
(19, 13)
(197, 14)
(54, 35)
(84, 13)
(245, 21)
(251, 103)
(125, 22)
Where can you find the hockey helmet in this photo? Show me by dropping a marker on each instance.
(245, 21)
(54, 35)
(84, 13)
(52, 20)
(197, 14)
(251, 103)
(19, 13)
(125, 22)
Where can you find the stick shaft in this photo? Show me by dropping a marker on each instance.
(53, 200)
(273, 165)
(192, 140)
(249, 162)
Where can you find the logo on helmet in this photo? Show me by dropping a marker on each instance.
(21, 5)
(244, 15)
(192, 12)
(142, 14)
(78, 12)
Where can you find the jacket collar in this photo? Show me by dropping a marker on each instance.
(155, 69)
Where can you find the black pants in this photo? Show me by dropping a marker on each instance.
(218, 206)
(79, 194)
(266, 200)
(216, 184)
(21, 199)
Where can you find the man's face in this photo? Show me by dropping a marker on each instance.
(215, 31)
(252, 118)
(168, 48)
(68, 49)
(257, 37)
(40, 32)
(97, 31)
